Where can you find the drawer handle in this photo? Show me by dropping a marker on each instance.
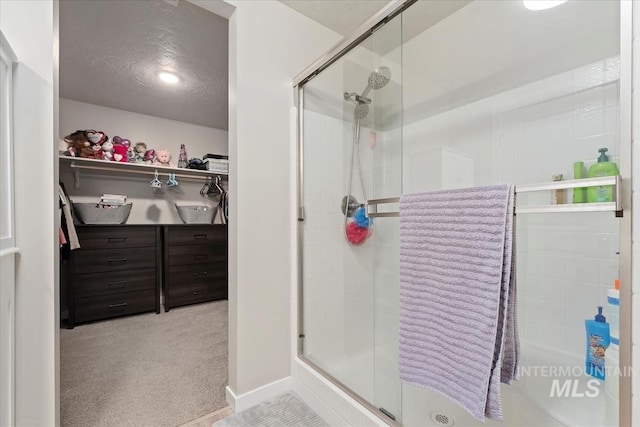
(114, 260)
(200, 292)
(116, 239)
(121, 305)
(120, 284)
(200, 236)
(204, 273)
(200, 256)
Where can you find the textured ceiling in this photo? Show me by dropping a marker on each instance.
(341, 16)
(111, 52)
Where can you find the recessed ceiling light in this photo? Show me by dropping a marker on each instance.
(542, 4)
(168, 77)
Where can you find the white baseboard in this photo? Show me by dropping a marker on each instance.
(258, 395)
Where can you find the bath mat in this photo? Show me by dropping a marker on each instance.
(286, 410)
(458, 332)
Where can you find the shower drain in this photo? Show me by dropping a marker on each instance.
(441, 419)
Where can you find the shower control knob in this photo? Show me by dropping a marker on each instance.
(349, 205)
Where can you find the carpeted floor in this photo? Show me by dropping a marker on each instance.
(286, 410)
(146, 370)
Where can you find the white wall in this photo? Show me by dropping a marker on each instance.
(636, 214)
(28, 26)
(150, 206)
(269, 44)
(156, 132)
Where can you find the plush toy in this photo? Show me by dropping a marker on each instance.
(120, 153)
(163, 158)
(149, 156)
(138, 152)
(96, 137)
(131, 155)
(79, 145)
(107, 149)
(97, 151)
(117, 140)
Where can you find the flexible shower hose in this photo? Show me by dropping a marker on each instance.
(355, 142)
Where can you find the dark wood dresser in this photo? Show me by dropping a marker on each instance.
(195, 264)
(116, 272)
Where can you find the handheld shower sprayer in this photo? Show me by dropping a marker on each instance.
(358, 230)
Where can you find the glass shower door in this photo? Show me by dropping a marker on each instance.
(463, 94)
(351, 146)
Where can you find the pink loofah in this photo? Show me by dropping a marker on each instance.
(355, 234)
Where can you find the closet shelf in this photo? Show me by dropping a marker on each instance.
(615, 206)
(78, 163)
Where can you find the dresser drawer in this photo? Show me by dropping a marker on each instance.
(115, 237)
(197, 293)
(198, 273)
(121, 304)
(196, 235)
(197, 254)
(105, 260)
(114, 282)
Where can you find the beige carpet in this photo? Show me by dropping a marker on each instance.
(146, 370)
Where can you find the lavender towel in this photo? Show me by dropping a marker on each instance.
(458, 332)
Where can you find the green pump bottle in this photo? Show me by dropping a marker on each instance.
(604, 167)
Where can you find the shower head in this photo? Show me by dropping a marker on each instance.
(377, 80)
(379, 77)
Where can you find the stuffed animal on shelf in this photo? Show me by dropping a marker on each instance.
(117, 140)
(96, 137)
(97, 151)
(107, 149)
(131, 155)
(149, 156)
(120, 153)
(79, 145)
(138, 152)
(163, 158)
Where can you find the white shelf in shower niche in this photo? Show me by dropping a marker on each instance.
(78, 163)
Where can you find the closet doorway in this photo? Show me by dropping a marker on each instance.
(143, 147)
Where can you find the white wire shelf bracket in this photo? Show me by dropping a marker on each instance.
(77, 164)
(615, 206)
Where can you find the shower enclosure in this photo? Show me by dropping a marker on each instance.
(464, 93)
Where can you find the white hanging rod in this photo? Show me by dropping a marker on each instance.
(615, 181)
